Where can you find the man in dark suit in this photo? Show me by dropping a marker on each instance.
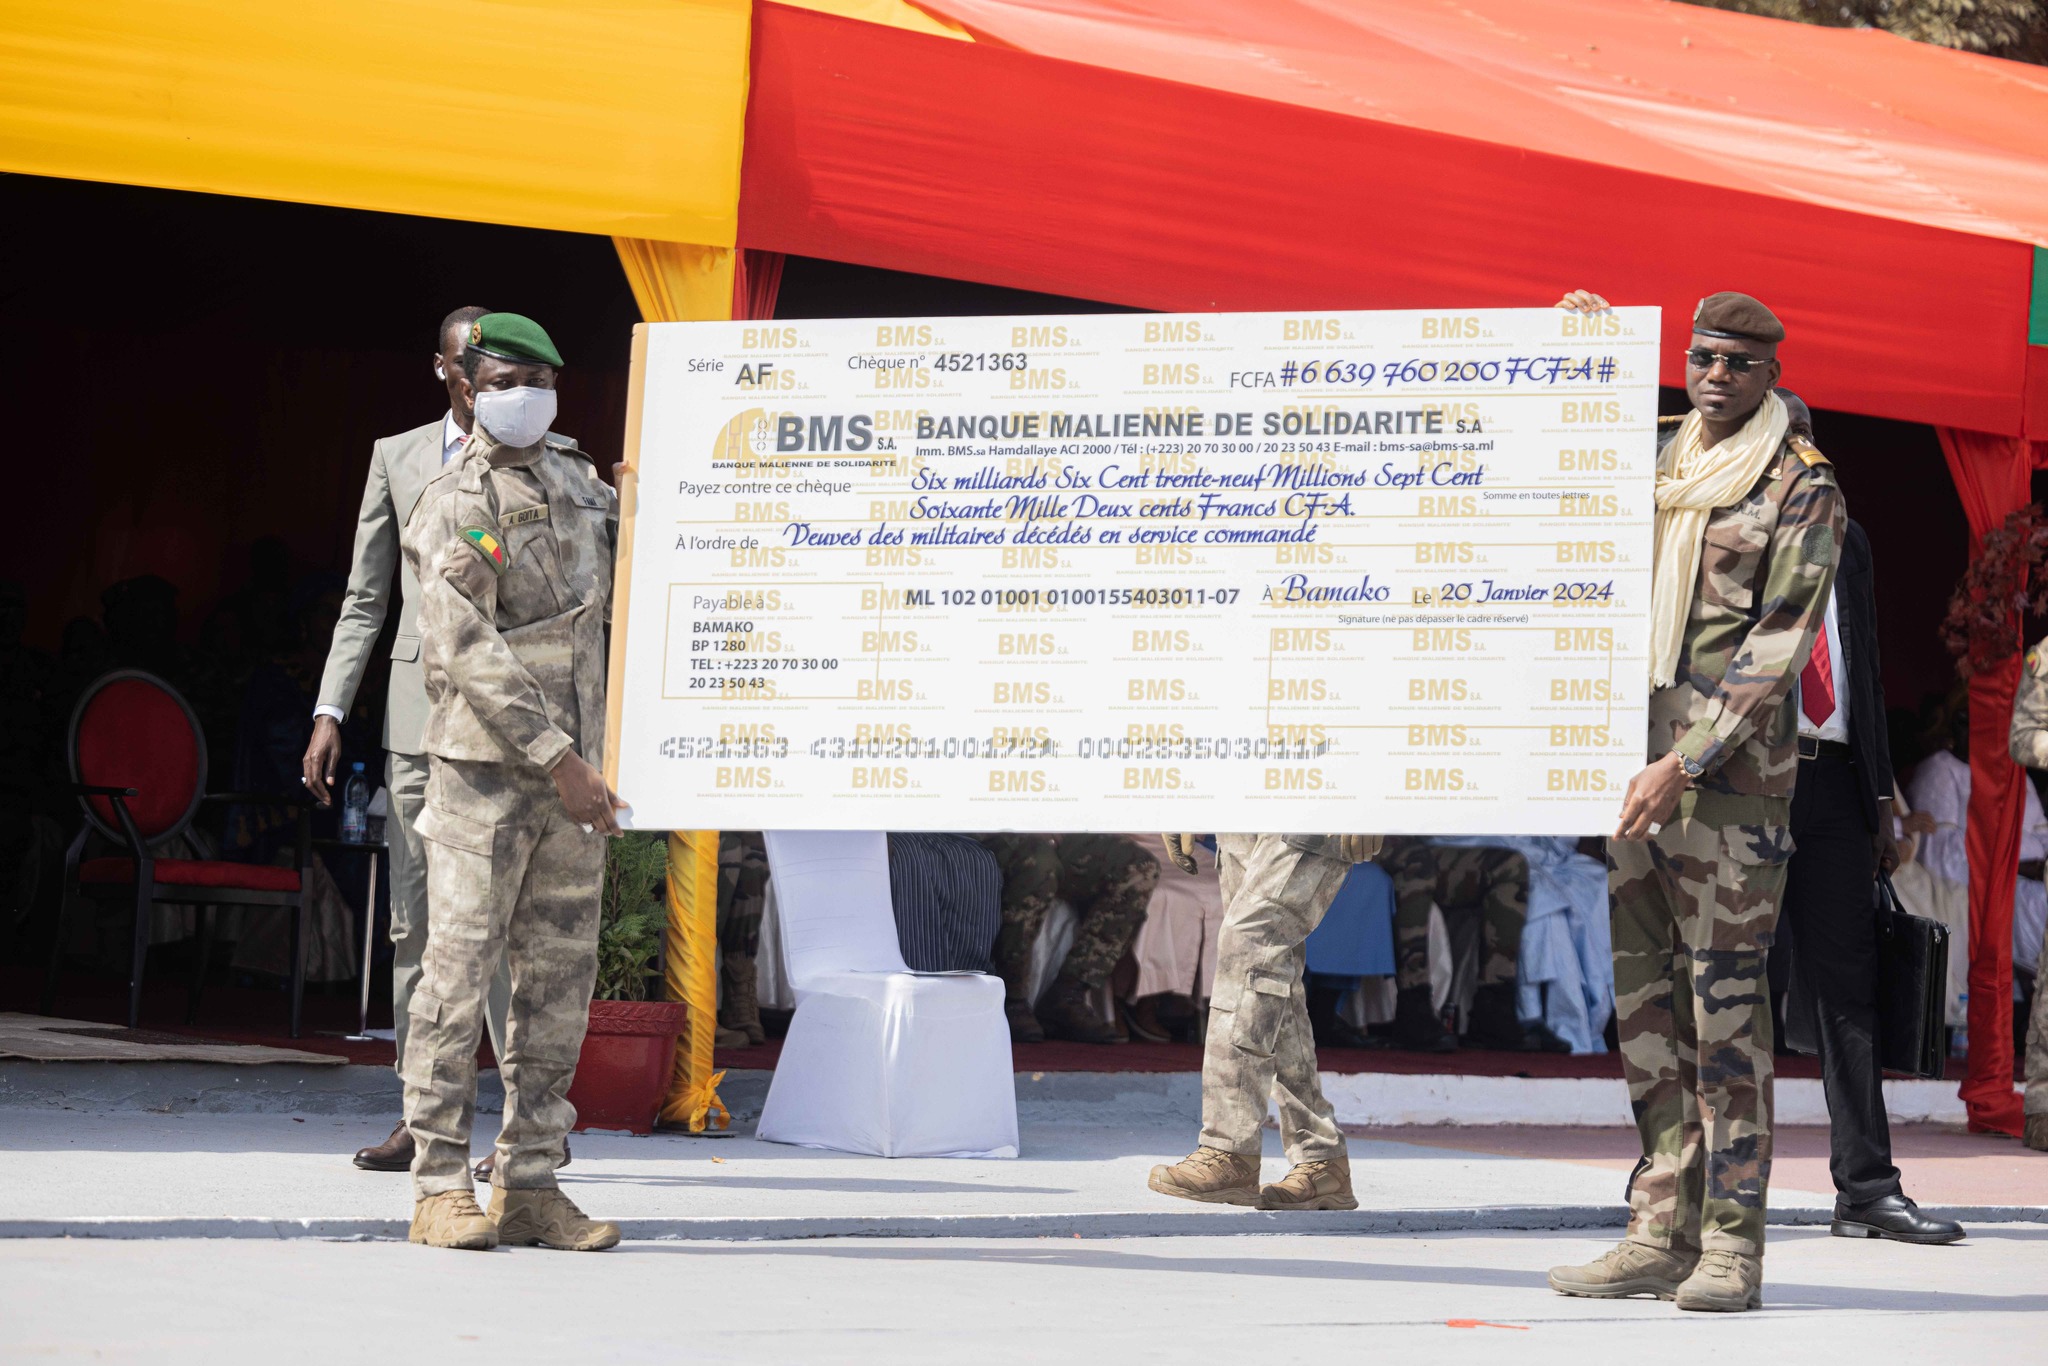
(401, 467)
(1842, 836)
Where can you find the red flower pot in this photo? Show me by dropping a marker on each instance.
(623, 1071)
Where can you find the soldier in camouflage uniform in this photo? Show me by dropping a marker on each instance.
(1108, 881)
(513, 547)
(1699, 859)
(742, 895)
(2030, 747)
(1494, 883)
(1276, 890)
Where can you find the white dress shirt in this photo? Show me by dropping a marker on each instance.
(452, 439)
(1836, 727)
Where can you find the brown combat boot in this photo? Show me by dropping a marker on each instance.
(739, 1007)
(1724, 1282)
(548, 1218)
(1629, 1269)
(2035, 1135)
(1210, 1175)
(452, 1219)
(1065, 1013)
(1323, 1184)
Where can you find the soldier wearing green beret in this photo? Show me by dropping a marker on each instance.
(512, 545)
(1749, 522)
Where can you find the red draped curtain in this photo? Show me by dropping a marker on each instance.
(1992, 475)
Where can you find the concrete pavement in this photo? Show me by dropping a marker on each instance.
(163, 1155)
(1475, 1297)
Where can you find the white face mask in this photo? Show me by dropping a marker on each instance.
(516, 417)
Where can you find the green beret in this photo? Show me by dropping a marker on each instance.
(513, 336)
(1736, 317)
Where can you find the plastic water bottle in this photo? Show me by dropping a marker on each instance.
(355, 808)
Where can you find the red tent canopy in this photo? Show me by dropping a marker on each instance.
(1885, 197)
(1888, 199)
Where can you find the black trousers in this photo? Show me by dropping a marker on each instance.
(1830, 921)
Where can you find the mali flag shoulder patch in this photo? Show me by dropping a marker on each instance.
(487, 545)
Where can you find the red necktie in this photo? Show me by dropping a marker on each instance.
(1817, 682)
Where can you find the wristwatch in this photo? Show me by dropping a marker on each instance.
(1693, 767)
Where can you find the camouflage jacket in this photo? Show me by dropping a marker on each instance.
(513, 549)
(2030, 710)
(1767, 565)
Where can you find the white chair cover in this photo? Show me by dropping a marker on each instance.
(879, 1059)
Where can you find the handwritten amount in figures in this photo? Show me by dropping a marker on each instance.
(1514, 370)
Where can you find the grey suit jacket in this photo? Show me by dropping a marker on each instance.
(400, 468)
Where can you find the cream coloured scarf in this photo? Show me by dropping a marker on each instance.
(1693, 479)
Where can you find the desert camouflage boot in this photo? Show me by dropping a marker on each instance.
(1323, 1184)
(2035, 1135)
(550, 1219)
(1724, 1282)
(1630, 1268)
(1210, 1175)
(452, 1219)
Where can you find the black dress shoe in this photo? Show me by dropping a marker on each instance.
(1895, 1217)
(394, 1154)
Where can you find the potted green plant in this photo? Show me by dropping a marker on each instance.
(623, 1071)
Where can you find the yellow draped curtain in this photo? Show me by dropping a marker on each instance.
(680, 282)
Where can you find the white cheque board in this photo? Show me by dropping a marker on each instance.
(1381, 572)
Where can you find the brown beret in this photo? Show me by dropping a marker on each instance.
(1736, 317)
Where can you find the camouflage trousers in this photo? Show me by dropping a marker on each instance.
(1694, 910)
(742, 892)
(1259, 1043)
(1494, 883)
(1106, 879)
(2037, 1040)
(508, 875)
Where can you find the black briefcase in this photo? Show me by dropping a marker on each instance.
(1912, 985)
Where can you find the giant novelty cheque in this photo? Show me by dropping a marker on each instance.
(1374, 572)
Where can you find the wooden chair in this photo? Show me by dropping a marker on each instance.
(138, 769)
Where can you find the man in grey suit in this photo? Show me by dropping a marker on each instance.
(400, 468)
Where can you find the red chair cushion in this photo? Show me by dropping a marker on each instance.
(189, 872)
(134, 733)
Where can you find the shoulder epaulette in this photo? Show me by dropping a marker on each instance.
(1808, 453)
(1670, 421)
(566, 445)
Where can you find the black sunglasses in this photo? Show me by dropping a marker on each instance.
(1700, 358)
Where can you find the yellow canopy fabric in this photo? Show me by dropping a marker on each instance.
(676, 282)
(622, 118)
